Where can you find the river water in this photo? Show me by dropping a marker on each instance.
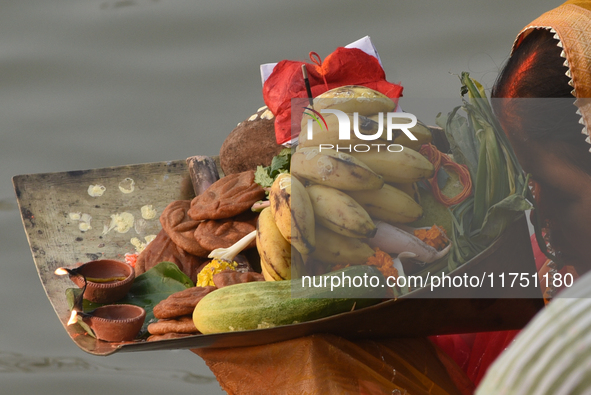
(99, 83)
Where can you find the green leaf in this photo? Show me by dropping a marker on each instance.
(280, 163)
(461, 139)
(167, 273)
(71, 295)
(500, 216)
(155, 285)
(499, 185)
(262, 177)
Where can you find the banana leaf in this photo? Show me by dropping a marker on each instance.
(500, 193)
(462, 142)
(500, 216)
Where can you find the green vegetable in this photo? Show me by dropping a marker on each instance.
(264, 304)
(264, 176)
(147, 291)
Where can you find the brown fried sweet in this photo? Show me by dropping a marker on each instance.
(223, 233)
(181, 228)
(161, 249)
(227, 197)
(201, 237)
(170, 335)
(181, 303)
(231, 277)
(182, 324)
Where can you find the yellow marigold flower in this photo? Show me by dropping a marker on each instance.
(205, 276)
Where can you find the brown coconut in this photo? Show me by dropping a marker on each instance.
(250, 144)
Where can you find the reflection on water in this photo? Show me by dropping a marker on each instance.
(6, 205)
(18, 363)
(125, 3)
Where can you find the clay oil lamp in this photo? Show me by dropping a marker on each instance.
(108, 280)
(112, 323)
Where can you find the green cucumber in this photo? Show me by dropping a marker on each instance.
(265, 304)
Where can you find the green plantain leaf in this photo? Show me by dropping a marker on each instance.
(461, 139)
(500, 216)
(499, 184)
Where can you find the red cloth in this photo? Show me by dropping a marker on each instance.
(475, 352)
(345, 66)
(539, 256)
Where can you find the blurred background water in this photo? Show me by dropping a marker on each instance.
(98, 83)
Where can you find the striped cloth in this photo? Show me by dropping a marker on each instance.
(552, 355)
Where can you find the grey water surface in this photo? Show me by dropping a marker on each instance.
(99, 83)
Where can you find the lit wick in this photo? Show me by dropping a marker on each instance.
(77, 309)
(73, 318)
(62, 271)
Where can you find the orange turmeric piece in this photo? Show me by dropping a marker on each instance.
(383, 261)
(435, 237)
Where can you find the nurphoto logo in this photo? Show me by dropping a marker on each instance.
(392, 121)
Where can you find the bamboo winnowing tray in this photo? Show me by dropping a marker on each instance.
(49, 204)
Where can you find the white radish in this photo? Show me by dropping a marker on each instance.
(394, 240)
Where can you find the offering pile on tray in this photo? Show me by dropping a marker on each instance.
(298, 201)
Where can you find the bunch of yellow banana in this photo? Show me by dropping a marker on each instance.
(363, 107)
(274, 249)
(286, 228)
(325, 209)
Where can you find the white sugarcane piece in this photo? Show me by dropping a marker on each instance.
(394, 240)
(229, 253)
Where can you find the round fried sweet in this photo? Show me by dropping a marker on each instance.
(166, 336)
(181, 228)
(161, 249)
(201, 237)
(181, 303)
(227, 197)
(230, 277)
(182, 324)
(225, 232)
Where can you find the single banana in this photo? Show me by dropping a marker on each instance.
(405, 166)
(265, 273)
(298, 265)
(335, 169)
(420, 131)
(274, 250)
(354, 98)
(293, 212)
(334, 249)
(340, 212)
(329, 133)
(411, 190)
(389, 204)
